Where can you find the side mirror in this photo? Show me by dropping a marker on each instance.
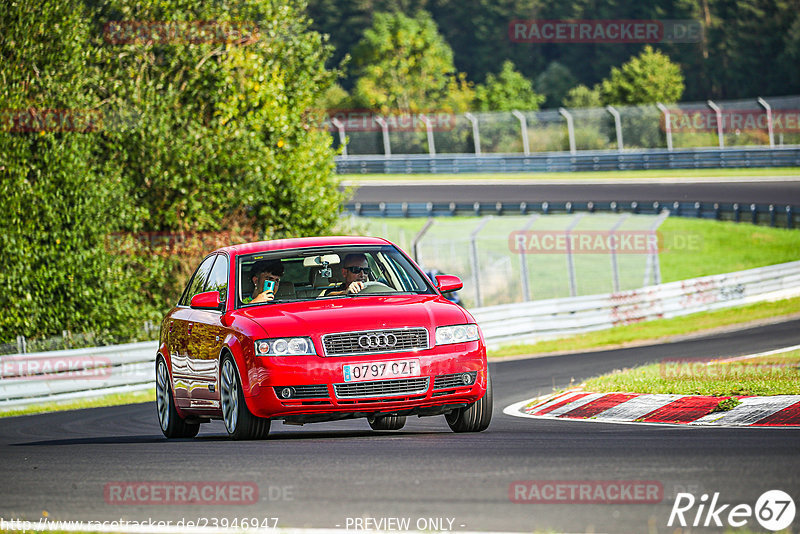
(206, 301)
(447, 283)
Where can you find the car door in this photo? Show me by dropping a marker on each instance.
(180, 331)
(205, 342)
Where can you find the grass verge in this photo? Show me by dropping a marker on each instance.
(694, 247)
(777, 374)
(655, 330)
(116, 399)
(584, 175)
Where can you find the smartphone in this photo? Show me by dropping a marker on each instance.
(269, 285)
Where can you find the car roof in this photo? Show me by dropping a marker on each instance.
(301, 242)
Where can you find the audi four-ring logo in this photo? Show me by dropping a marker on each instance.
(376, 341)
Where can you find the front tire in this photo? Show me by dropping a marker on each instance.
(387, 422)
(171, 423)
(240, 423)
(475, 417)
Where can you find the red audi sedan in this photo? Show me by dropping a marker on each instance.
(318, 329)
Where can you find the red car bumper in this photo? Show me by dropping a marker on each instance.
(320, 392)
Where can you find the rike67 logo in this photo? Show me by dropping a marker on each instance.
(774, 510)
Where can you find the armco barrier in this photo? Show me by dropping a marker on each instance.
(61, 375)
(590, 160)
(31, 378)
(543, 319)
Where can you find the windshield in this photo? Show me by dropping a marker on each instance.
(329, 273)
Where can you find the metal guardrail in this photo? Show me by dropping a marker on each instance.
(33, 378)
(786, 215)
(598, 160)
(62, 375)
(547, 319)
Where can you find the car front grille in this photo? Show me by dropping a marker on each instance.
(375, 341)
(381, 388)
(315, 391)
(453, 381)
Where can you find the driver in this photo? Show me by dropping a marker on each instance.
(355, 272)
(260, 272)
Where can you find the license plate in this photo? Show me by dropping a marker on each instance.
(358, 372)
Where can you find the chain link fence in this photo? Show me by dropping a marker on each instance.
(773, 121)
(511, 259)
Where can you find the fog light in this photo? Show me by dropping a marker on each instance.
(287, 393)
(466, 378)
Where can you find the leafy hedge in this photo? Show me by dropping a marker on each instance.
(106, 141)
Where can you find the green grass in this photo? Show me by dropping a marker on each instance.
(696, 247)
(115, 399)
(689, 247)
(771, 375)
(655, 330)
(586, 175)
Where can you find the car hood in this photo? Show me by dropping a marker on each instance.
(355, 313)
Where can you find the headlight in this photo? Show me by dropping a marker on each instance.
(459, 333)
(285, 346)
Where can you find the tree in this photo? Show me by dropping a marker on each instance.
(647, 78)
(581, 96)
(507, 91)
(554, 83)
(59, 202)
(403, 64)
(213, 133)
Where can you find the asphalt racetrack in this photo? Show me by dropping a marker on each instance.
(780, 192)
(331, 475)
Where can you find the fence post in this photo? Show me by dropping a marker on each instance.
(22, 347)
(614, 264)
(523, 262)
(570, 129)
(523, 124)
(573, 284)
(473, 250)
(617, 125)
(418, 238)
(653, 265)
(387, 148)
(770, 130)
(342, 137)
(476, 133)
(429, 132)
(667, 124)
(718, 111)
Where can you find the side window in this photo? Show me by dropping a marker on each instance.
(218, 279)
(198, 281)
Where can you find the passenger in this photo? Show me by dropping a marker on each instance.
(260, 272)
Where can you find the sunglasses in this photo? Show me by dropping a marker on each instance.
(356, 270)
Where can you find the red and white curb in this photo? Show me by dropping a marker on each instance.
(695, 410)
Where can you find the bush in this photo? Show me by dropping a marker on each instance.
(196, 138)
